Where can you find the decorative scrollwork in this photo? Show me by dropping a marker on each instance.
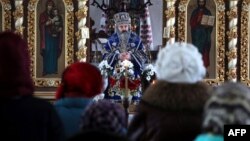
(244, 58)
(6, 14)
(81, 36)
(182, 20)
(170, 16)
(18, 17)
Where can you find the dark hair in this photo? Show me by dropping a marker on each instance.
(200, 0)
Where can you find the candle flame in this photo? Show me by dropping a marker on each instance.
(153, 82)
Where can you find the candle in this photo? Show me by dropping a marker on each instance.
(126, 81)
(126, 64)
(153, 82)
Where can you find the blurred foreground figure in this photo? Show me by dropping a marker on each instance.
(172, 106)
(81, 82)
(103, 120)
(23, 117)
(228, 104)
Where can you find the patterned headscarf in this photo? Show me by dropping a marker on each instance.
(104, 116)
(229, 104)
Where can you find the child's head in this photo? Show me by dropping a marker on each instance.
(55, 12)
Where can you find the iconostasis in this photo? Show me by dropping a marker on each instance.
(76, 21)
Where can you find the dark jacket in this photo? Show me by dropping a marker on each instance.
(25, 118)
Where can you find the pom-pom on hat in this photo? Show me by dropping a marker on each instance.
(180, 63)
(80, 80)
(229, 104)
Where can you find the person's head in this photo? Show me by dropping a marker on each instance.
(122, 21)
(229, 104)
(178, 91)
(50, 4)
(55, 12)
(201, 3)
(180, 63)
(15, 76)
(123, 27)
(80, 80)
(104, 116)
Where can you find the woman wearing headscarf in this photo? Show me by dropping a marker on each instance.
(81, 82)
(23, 117)
(171, 108)
(103, 120)
(229, 104)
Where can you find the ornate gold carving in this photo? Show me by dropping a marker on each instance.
(70, 32)
(18, 17)
(6, 14)
(232, 38)
(182, 20)
(244, 58)
(81, 15)
(32, 41)
(170, 12)
(82, 53)
(220, 37)
(170, 16)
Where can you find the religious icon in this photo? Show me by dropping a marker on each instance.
(51, 37)
(201, 24)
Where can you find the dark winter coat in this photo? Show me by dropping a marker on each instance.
(26, 118)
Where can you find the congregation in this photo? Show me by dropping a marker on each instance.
(178, 106)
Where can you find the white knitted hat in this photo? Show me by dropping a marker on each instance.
(180, 63)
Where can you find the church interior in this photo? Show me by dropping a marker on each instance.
(169, 20)
(83, 31)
